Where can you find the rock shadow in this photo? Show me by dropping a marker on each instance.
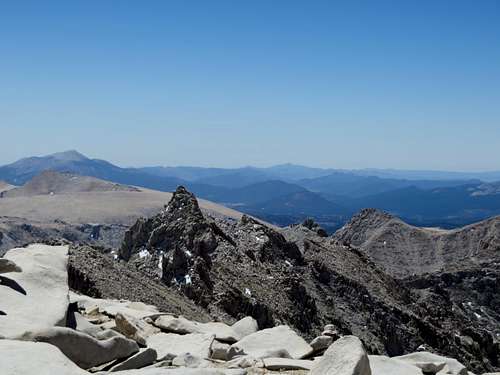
(4, 281)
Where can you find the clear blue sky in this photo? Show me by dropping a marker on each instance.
(353, 84)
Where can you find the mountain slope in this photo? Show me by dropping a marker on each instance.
(299, 203)
(457, 206)
(83, 199)
(354, 186)
(459, 266)
(50, 182)
(403, 250)
(4, 186)
(24, 170)
(255, 193)
(236, 178)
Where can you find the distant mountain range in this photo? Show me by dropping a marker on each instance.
(288, 193)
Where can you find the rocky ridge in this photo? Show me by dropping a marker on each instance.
(403, 250)
(295, 277)
(80, 335)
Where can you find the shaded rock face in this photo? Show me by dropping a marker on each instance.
(182, 239)
(272, 245)
(181, 225)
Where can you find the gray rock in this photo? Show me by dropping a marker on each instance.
(140, 359)
(219, 350)
(284, 364)
(277, 338)
(135, 329)
(330, 330)
(38, 296)
(85, 350)
(333, 334)
(245, 327)
(382, 365)
(171, 345)
(108, 334)
(434, 363)
(7, 266)
(191, 361)
(346, 356)
(183, 371)
(109, 307)
(83, 325)
(181, 325)
(321, 343)
(245, 361)
(34, 358)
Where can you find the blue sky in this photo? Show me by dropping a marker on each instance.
(354, 84)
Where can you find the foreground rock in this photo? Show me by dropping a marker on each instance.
(181, 325)
(135, 329)
(434, 363)
(30, 358)
(285, 364)
(321, 343)
(170, 345)
(141, 359)
(219, 350)
(36, 298)
(182, 371)
(84, 350)
(7, 266)
(382, 365)
(137, 310)
(245, 327)
(265, 343)
(346, 356)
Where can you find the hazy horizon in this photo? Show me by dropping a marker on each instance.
(159, 164)
(395, 85)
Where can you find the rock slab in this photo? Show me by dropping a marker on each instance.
(346, 356)
(140, 359)
(171, 345)
(36, 298)
(430, 362)
(135, 329)
(181, 325)
(34, 358)
(382, 365)
(280, 338)
(85, 350)
(285, 364)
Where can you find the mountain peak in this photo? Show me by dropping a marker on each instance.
(70, 155)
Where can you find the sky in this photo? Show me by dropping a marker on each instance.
(352, 84)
